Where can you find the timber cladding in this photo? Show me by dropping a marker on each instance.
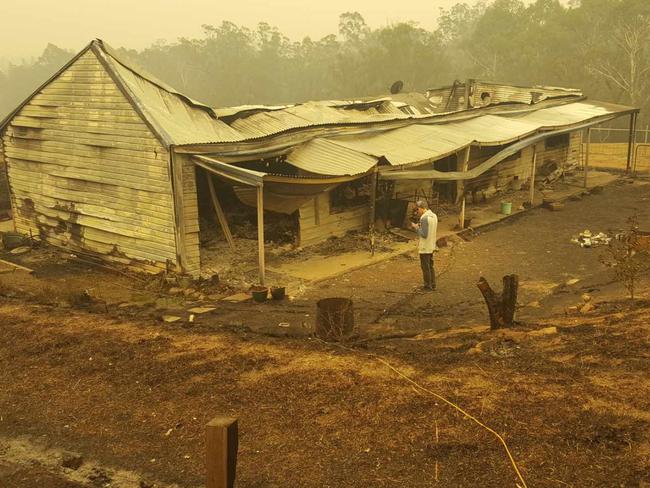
(87, 173)
(317, 222)
(5, 202)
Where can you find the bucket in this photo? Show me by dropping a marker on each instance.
(506, 208)
(334, 318)
(277, 292)
(260, 293)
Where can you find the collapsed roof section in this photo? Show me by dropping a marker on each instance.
(419, 144)
(347, 137)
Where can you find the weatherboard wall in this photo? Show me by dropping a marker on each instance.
(318, 223)
(5, 202)
(88, 174)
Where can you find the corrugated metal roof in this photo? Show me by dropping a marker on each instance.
(177, 120)
(493, 129)
(328, 157)
(423, 143)
(570, 114)
(183, 121)
(180, 120)
(309, 114)
(408, 145)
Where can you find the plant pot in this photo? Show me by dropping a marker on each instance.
(260, 293)
(277, 292)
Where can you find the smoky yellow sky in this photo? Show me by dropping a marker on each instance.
(28, 25)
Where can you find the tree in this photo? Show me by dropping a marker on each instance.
(628, 255)
(625, 61)
(352, 27)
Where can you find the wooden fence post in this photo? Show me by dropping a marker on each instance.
(222, 442)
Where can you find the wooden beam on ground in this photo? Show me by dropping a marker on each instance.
(260, 233)
(16, 266)
(532, 177)
(588, 145)
(222, 442)
(221, 216)
(462, 166)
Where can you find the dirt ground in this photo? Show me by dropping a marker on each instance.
(573, 406)
(86, 365)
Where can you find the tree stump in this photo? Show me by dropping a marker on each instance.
(334, 319)
(501, 306)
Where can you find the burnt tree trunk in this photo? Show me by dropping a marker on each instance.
(501, 306)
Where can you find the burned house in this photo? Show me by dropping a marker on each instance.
(105, 159)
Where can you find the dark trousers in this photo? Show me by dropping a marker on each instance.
(428, 273)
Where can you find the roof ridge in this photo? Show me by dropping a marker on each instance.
(142, 73)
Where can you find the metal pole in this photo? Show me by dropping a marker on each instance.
(373, 209)
(630, 146)
(532, 176)
(460, 188)
(260, 233)
(587, 156)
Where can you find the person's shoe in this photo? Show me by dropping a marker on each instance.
(426, 288)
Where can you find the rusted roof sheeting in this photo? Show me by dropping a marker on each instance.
(501, 92)
(309, 114)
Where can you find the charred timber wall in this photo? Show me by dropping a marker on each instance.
(5, 203)
(86, 172)
(506, 174)
(190, 230)
(317, 222)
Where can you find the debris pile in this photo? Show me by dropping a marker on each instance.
(587, 239)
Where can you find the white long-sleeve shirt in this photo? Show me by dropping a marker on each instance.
(427, 231)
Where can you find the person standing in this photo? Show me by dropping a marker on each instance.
(426, 229)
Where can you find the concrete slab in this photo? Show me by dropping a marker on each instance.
(321, 268)
(238, 298)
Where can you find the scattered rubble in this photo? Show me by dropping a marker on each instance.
(587, 239)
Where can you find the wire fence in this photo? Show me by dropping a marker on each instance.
(609, 147)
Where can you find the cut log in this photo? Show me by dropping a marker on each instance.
(501, 307)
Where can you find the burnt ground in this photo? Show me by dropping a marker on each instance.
(536, 245)
(128, 391)
(573, 405)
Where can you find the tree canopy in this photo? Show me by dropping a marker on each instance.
(600, 46)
